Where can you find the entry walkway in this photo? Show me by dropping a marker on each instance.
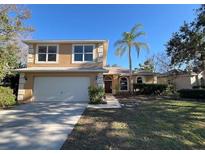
(112, 103)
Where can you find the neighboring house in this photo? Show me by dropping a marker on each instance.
(182, 80)
(201, 78)
(117, 79)
(62, 70)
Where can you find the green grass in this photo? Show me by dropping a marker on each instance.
(158, 124)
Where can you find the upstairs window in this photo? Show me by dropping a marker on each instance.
(83, 53)
(47, 53)
(78, 53)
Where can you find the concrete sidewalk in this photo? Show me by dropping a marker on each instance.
(39, 125)
(112, 103)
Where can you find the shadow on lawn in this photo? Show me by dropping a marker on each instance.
(156, 124)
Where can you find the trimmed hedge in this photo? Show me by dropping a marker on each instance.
(96, 94)
(148, 89)
(7, 98)
(195, 87)
(192, 93)
(198, 87)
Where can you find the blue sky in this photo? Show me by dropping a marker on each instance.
(108, 22)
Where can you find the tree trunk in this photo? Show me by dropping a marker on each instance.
(130, 67)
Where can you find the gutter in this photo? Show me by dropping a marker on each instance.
(44, 71)
(64, 41)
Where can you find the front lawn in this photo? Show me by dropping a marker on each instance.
(152, 124)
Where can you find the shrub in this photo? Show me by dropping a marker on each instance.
(192, 93)
(203, 87)
(96, 94)
(148, 89)
(7, 98)
(11, 81)
(198, 87)
(195, 87)
(170, 90)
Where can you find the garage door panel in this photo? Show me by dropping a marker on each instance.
(61, 88)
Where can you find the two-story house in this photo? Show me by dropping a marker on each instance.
(62, 70)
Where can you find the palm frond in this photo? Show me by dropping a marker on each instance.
(137, 49)
(135, 28)
(128, 40)
(126, 36)
(142, 45)
(139, 34)
(119, 43)
(120, 50)
(139, 45)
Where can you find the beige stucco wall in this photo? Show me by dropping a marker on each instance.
(65, 56)
(149, 79)
(115, 84)
(183, 82)
(162, 80)
(146, 79)
(179, 81)
(29, 82)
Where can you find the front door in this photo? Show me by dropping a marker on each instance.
(108, 86)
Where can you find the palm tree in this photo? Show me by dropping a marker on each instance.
(126, 43)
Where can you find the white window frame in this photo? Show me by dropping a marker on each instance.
(127, 84)
(73, 60)
(47, 62)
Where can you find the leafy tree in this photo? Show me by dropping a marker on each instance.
(127, 42)
(188, 42)
(114, 65)
(162, 63)
(148, 65)
(12, 27)
(200, 19)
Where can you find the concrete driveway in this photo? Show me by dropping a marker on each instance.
(38, 125)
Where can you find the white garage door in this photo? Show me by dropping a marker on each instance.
(61, 88)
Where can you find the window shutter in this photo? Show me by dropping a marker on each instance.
(30, 58)
(30, 54)
(31, 50)
(100, 53)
